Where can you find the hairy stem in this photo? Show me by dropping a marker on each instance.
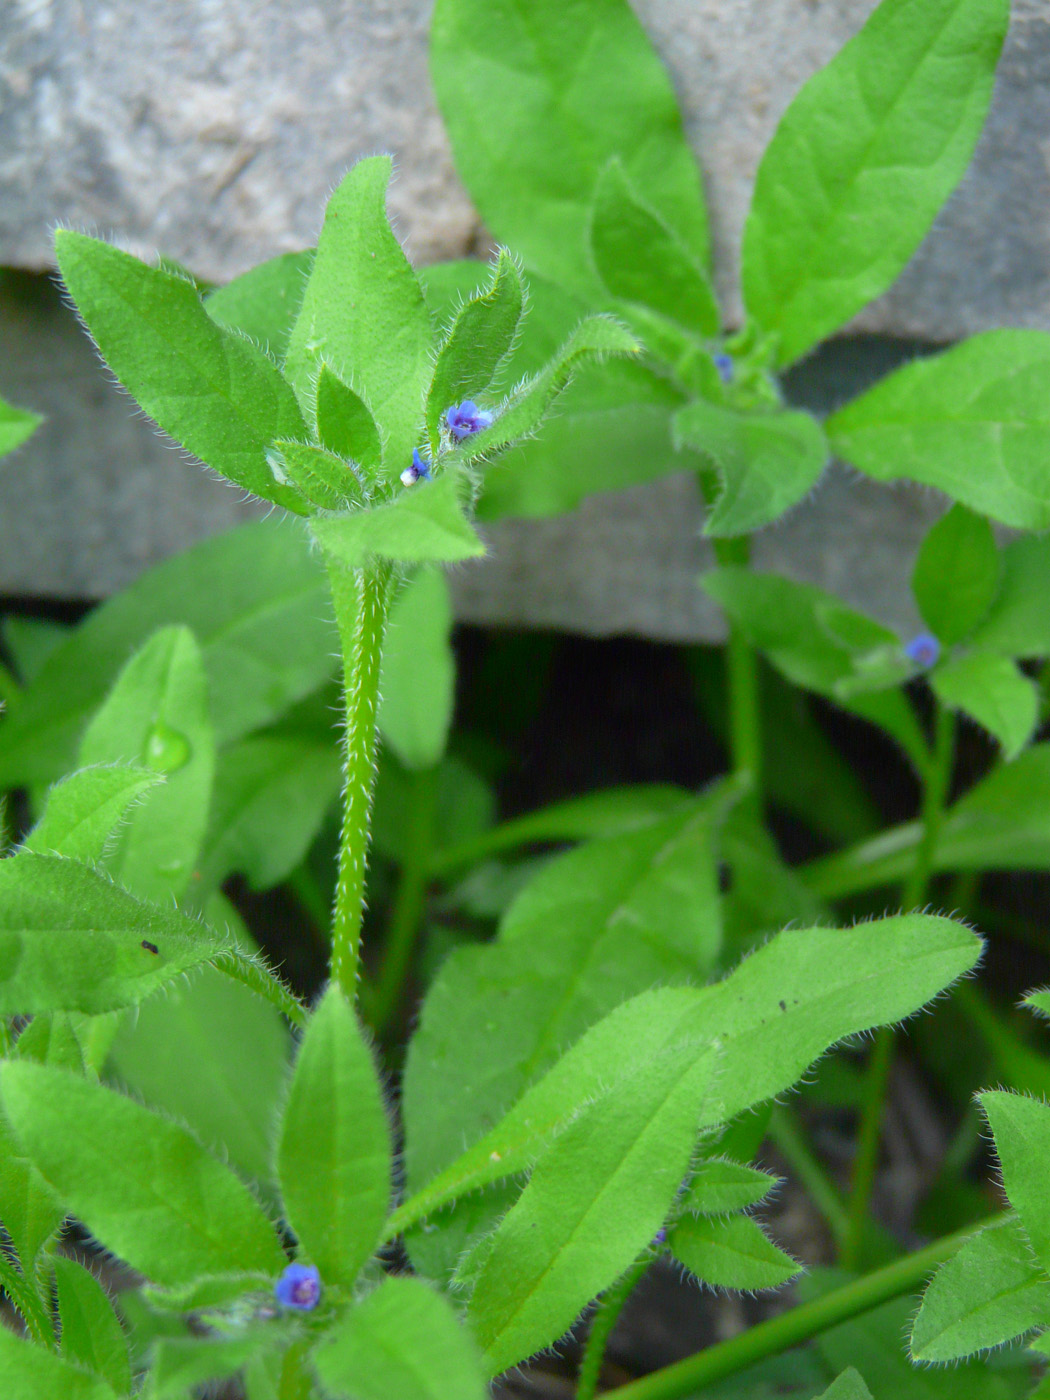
(604, 1320)
(362, 600)
(877, 1076)
(790, 1329)
(410, 900)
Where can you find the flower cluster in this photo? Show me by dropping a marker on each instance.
(463, 421)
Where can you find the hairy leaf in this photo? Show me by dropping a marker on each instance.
(991, 690)
(956, 574)
(732, 1252)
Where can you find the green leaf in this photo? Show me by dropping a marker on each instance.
(766, 462)
(424, 523)
(402, 1340)
(732, 1252)
(84, 810)
(988, 1293)
(956, 574)
(522, 412)
(30, 1211)
(213, 1055)
(91, 1332)
(181, 1364)
(211, 389)
(28, 1372)
(255, 599)
(363, 314)
(17, 425)
(719, 1187)
(418, 678)
(324, 479)
(1018, 623)
(593, 1203)
(334, 1149)
(478, 341)
(264, 301)
(596, 924)
(272, 792)
(991, 690)
(345, 424)
(848, 1386)
(1021, 1128)
(640, 258)
(70, 940)
(143, 1186)
(550, 81)
(973, 422)
(818, 643)
(862, 161)
(156, 716)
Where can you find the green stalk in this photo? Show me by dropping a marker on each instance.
(791, 1329)
(362, 600)
(876, 1083)
(796, 1151)
(604, 1320)
(745, 726)
(410, 900)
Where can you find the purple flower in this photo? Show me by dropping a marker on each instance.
(659, 1238)
(298, 1287)
(724, 365)
(924, 650)
(420, 468)
(467, 419)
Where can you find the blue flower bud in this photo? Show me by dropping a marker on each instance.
(467, 419)
(299, 1287)
(724, 365)
(420, 468)
(924, 650)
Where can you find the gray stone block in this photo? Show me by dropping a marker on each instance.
(212, 130)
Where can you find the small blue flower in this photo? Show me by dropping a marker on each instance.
(924, 650)
(467, 419)
(724, 365)
(420, 468)
(298, 1287)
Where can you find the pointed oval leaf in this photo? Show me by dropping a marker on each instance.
(418, 680)
(344, 422)
(549, 79)
(423, 523)
(848, 1386)
(1018, 622)
(479, 339)
(91, 1332)
(322, 478)
(214, 391)
(156, 715)
(1021, 1128)
(640, 258)
(592, 1204)
(402, 1340)
(991, 690)
(142, 1185)
(733, 1252)
(973, 422)
(71, 940)
(719, 1187)
(84, 810)
(956, 574)
(862, 161)
(986, 1294)
(363, 314)
(334, 1150)
(767, 462)
(17, 425)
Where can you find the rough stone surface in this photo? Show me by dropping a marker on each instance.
(212, 130)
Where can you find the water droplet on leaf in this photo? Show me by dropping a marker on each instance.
(166, 749)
